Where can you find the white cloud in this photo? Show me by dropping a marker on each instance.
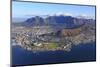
(61, 13)
(86, 16)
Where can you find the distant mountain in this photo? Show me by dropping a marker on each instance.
(85, 17)
(61, 21)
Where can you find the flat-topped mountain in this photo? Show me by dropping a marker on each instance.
(58, 21)
(66, 21)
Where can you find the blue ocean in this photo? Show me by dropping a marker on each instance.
(80, 53)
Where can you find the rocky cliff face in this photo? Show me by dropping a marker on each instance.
(67, 21)
(55, 21)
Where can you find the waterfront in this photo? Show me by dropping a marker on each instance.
(80, 53)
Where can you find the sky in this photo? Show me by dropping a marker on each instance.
(25, 9)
